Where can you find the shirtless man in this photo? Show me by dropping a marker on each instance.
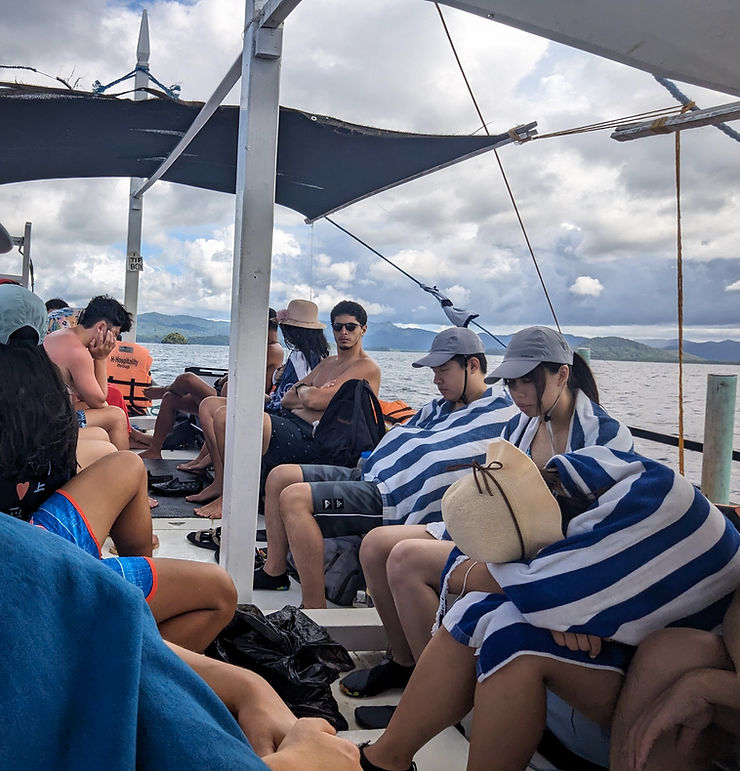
(81, 353)
(287, 436)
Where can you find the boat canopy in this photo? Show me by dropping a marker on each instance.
(323, 164)
(694, 42)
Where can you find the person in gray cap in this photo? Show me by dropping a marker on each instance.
(401, 482)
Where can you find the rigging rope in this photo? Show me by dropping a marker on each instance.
(405, 273)
(501, 167)
(679, 300)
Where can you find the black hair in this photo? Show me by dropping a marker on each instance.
(38, 426)
(55, 304)
(309, 342)
(462, 360)
(349, 308)
(580, 377)
(272, 319)
(105, 308)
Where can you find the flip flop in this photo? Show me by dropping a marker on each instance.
(176, 487)
(206, 539)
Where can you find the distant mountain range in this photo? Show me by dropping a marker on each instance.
(384, 336)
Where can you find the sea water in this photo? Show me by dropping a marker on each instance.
(641, 394)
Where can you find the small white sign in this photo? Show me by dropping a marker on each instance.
(135, 262)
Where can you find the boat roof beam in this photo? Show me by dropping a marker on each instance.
(710, 116)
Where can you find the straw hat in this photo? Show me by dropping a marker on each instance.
(503, 511)
(301, 313)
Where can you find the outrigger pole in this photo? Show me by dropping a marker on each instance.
(134, 260)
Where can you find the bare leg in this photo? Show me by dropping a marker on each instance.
(374, 551)
(193, 603)
(214, 430)
(439, 694)
(511, 710)
(306, 542)
(414, 569)
(112, 493)
(278, 479)
(201, 462)
(659, 662)
(92, 432)
(171, 403)
(113, 421)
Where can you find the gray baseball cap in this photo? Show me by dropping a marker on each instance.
(528, 348)
(449, 343)
(20, 308)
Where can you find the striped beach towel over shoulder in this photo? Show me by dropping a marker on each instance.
(650, 552)
(411, 464)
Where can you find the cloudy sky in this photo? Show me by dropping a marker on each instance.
(600, 214)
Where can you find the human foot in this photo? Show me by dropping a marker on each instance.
(382, 677)
(153, 502)
(211, 510)
(193, 468)
(205, 495)
(151, 454)
(264, 580)
(155, 392)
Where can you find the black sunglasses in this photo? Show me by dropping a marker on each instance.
(350, 327)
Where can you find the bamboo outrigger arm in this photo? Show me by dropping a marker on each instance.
(710, 116)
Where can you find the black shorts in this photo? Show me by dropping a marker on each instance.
(343, 504)
(291, 441)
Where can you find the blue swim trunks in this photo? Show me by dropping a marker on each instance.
(60, 514)
(82, 418)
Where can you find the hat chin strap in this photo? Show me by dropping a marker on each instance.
(547, 418)
(463, 398)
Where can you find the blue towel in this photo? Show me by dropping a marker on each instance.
(85, 678)
(650, 552)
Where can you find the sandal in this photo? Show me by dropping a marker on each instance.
(206, 539)
(367, 765)
(371, 682)
(178, 487)
(155, 479)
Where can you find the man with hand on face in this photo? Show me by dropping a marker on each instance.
(81, 353)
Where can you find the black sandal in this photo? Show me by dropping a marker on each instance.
(206, 539)
(370, 682)
(367, 765)
(177, 487)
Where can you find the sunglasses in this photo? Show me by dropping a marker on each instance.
(350, 327)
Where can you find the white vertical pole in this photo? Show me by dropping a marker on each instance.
(26, 269)
(719, 426)
(255, 196)
(134, 263)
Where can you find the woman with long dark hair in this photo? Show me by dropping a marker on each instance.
(41, 484)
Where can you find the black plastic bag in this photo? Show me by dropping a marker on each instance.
(293, 653)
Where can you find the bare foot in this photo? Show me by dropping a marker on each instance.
(192, 468)
(211, 510)
(151, 454)
(140, 437)
(205, 495)
(155, 392)
(153, 502)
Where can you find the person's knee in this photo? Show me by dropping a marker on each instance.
(281, 477)
(678, 649)
(130, 464)
(374, 550)
(295, 501)
(405, 562)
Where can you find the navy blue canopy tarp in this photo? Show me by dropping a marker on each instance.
(323, 163)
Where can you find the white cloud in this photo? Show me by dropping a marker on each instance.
(733, 287)
(587, 286)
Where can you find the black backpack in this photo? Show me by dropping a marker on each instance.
(351, 424)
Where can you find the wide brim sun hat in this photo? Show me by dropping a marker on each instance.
(301, 313)
(449, 343)
(528, 348)
(503, 511)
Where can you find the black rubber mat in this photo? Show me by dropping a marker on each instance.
(171, 507)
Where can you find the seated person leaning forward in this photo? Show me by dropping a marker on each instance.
(403, 479)
(91, 684)
(287, 435)
(625, 547)
(81, 353)
(39, 483)
(559, 411)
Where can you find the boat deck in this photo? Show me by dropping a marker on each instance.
(358, 629)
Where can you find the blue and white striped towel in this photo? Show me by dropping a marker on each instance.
(650, 552)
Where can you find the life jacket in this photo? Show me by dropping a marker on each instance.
(396, 411)
(129, 366)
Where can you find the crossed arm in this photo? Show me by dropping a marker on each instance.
(317, 397)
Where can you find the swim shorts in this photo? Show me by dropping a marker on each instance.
(82, 418)
(343, 504)
(60, 514)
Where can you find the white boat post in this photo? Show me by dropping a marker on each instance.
(719, 425)
(24, 246)
(134, 260)
(255, 203)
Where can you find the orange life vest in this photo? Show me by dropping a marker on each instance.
(396, 411)
(129, 368)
